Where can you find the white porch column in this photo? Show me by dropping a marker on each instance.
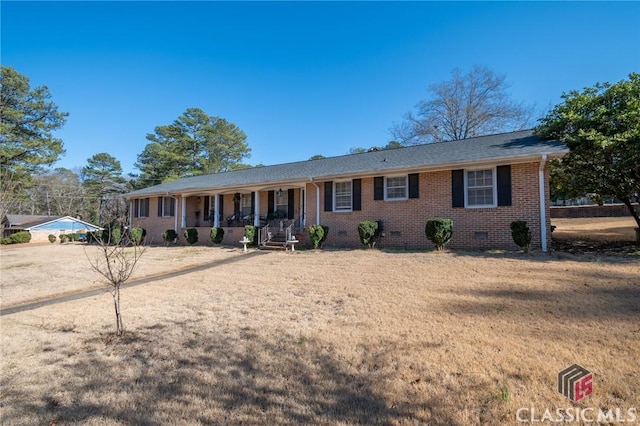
(216, 212)
(183, 211)
(256, 209)
(317, 201)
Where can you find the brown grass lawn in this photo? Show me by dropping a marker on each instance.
(317, 337)
(595, 228)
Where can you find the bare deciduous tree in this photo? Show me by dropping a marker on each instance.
(115, 261)
(470, 104)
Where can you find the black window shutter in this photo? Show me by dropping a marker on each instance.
(503, 178)
(271, 203)
(457, 188)
(356, 194)
(414, 185)
(378, 188)
(172, 206)
(291, 203)
(221, 206)
(207, 212)
(146, 207)
(159, 206)
(328, 196)
(253, 202)
(136, 208)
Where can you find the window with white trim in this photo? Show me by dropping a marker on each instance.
(141, 207)
(167, 207)
(395, 188)
(245, 204)
(281, 203)
(480, 188)
(342, 196)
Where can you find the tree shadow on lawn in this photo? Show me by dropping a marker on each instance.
(587, 294)
(214, 379)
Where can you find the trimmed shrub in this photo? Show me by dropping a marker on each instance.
(73, 237)
(318, 235)
(191, 234)
(137, 235)
(216, 234)
(169, 236)
(63, 238)
(369, 233)
(111, 236)
(250, 233)
(521, 234)
(17, 238)
(439, 230)
(52, 238)
(21, 237)
(93, 236)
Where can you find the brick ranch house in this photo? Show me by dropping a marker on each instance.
(482, 183)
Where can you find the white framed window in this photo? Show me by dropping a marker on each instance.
(167, 207)
(281, 203)
(480, 189)
(396, 188)
(342, 196)
(141, 207)
(245, 204)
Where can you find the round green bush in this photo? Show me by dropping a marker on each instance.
(52, 238)
(439, 230)
(521, 234)
(137, 235)
(250, 233)
(169, 235)
(217, 235)
(318, 235)
(191, 234)
(368, 232)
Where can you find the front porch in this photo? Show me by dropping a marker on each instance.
(278, 214)
(238, 209)
(274, 234)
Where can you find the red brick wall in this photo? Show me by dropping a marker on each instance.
(154, 225)
(404, 221)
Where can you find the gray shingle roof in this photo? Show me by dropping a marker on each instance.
(25, 220)
(504, 147)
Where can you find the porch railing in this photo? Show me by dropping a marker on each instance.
(289, 230)
(263, 235)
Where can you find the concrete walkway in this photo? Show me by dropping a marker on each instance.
(98, 291)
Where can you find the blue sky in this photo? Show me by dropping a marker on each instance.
(300, 78)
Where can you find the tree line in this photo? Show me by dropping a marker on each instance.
(600, 125)
(195, 143)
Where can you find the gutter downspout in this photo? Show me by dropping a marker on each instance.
(131, 206)
(543, 204)
(317, 201)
